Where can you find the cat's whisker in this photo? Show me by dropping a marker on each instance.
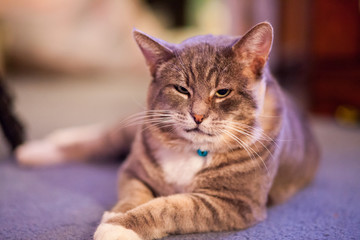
(263, 135)
(251, 136)
(268, 116)
(251, 155)
(248, 148)
(259, 140)
(141, 121)
(241, 143)
(154, 121)
(158, 126)
(225, 139)
(232, 125)
(139, 117)
(246, 133)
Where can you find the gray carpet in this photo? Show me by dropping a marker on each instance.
(66, 202)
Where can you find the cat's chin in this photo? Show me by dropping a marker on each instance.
(199, 132)
(199, 140)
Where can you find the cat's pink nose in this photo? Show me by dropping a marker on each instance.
(198, 118)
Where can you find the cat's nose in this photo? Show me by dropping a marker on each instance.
(198, 118)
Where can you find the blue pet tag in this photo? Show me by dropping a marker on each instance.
(202, 153)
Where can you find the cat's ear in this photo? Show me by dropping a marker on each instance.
(153, 49)
(254, 47)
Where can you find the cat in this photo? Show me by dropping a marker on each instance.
(220, 141)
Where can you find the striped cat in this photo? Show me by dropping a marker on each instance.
(219, 142)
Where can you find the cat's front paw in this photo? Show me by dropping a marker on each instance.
(107, 231)
(107, 215)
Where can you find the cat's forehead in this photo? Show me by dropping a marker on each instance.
(205, 59)
(220, 41)
(205, 46)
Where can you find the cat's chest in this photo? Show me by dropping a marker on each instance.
(179, 168)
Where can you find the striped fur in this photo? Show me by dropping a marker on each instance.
(260, 148)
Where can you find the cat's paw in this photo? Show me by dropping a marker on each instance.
(39, 153)
(107, 231)
(61, 146)
(107, 215)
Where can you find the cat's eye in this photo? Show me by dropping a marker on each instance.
(222, 93)
(181, 89)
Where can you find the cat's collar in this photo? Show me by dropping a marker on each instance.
(202, 153)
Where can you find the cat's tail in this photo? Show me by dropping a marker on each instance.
(78, 144)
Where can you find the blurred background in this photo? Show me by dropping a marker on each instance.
(74, 62)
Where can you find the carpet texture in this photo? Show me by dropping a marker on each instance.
(66, 202)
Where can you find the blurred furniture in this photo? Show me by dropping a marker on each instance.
(11, 127)
(316, 52)
(334, 77)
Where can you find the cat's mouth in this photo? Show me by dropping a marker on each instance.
(197, 130)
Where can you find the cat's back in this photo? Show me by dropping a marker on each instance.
(299, 154)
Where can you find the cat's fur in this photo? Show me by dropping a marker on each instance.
(260, 148)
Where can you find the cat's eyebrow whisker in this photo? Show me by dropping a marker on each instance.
(181, 63)
(224, 69)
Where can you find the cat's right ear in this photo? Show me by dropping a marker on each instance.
(153, 49)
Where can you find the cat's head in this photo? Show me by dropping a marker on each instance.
(207, 89)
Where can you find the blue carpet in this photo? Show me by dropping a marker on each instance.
(66, 202)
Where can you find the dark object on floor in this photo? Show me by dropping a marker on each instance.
(10, 124)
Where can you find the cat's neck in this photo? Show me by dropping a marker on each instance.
(272, 108)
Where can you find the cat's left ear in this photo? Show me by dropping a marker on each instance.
(254, 47)
(154, 50)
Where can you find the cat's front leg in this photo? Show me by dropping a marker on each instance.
(133, 193)
(180, 214)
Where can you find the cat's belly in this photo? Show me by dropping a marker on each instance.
(179, 168)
